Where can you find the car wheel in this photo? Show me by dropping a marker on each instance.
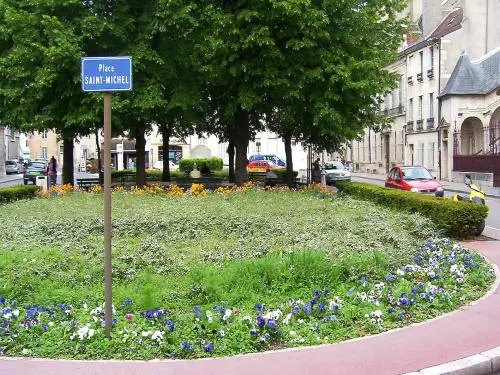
(26, 182)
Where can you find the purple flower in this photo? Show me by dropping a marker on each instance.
(2, 300)
(271, 323)
(44, 327)
(187, 346)
(197, 309)
(261, 321)
(170, 324)
(253, 332)
(307, 309)
(363, 281)
(322, 306)
(333, 318)
(390, 278)
(209, 348)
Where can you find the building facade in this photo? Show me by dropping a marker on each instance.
(439, 33)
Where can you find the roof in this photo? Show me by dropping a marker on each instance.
(449, 24)
(474, 78)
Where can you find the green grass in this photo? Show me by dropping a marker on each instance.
(234, 251)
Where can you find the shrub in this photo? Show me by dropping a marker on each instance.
(214, 164)
(457, 219)
(15, 193)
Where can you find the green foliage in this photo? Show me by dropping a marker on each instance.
(458, 219)
(15, 193)
(214, 164)
(230, 252)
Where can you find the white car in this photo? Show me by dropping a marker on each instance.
(336, 171)
(159, 165)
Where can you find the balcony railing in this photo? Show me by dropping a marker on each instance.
(430, 73)
(420, 77)
(410, 80)
(430, 123)
(420, 124)
(396, 111)
(409, 126)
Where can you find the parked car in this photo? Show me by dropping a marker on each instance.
(34, 169)
(336, 171)
(159, 165)
(414, 178)
(262, 166)
(11, 166)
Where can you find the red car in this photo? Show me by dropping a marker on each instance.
(414, 178)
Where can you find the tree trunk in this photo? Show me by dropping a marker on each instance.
(99, 162)
(2, 152)
(140, 151)
(287, 140)
(165, 135)
(230, 153)
(68, 172)
(241, 139)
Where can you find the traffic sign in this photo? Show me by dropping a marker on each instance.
(107, 73)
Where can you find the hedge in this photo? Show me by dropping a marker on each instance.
(15, 193)
(214, 164)
(456, 219)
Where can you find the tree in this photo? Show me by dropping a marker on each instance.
(2, 151)
(326, 58)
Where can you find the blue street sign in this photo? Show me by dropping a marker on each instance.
(107, 73)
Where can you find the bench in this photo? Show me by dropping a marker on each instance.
(262, 178)
(88, 182)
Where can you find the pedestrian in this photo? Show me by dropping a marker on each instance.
(52, 171)
(316, 173)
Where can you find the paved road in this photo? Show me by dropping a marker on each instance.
(492, 222)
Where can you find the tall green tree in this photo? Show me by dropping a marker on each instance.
(325, 57)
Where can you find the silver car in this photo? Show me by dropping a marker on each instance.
(335, 171)
(12, 166)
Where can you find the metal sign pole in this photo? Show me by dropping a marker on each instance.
(107, 215)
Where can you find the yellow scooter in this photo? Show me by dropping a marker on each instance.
(477, 195)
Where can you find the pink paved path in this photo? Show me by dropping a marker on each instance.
(471, 331)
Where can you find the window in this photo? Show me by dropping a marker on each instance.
(202, 141)
(410, 110)
(431, 61)
(430, 156)
(45, 134)
(431, 105)
(420, 155)
(410, 65)
(44, 152)
(421, 53)
(420, 104)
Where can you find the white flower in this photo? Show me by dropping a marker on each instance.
(91, 333)
(25, 351)
(247, 319)
(276, 314)
(293, 333)
(222, 333)
(377, 313)
(302, 339)
(50, 324)
(227, 315)
(85, 306)
(209, 316)
(287, 319)
(157, 336)
(400, 272)
(145, 333)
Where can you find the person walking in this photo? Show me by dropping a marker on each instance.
(52, 171)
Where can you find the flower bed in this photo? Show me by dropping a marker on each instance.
(219, 274)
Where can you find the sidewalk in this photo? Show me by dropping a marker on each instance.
(491, 192)
(10, 177)
(465, 333)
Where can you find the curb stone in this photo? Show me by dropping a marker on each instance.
(478, 364)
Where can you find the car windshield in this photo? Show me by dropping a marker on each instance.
(10, 162)
(37, 165)
(334, 165)
(416, 174)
